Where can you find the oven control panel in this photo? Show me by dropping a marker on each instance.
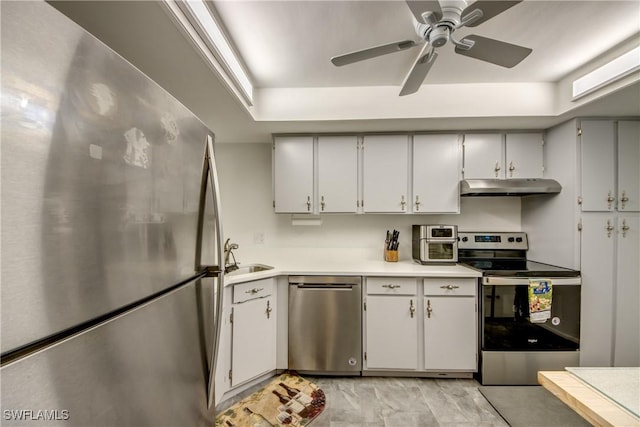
(493, 240)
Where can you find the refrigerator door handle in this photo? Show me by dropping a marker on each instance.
(210, 174)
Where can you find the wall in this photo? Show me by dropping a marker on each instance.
(248, 218)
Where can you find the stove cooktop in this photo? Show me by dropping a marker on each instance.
(504, 254)
(519, 269)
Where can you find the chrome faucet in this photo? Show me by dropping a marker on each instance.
(228, 251)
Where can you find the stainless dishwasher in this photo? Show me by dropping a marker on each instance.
(325, 324)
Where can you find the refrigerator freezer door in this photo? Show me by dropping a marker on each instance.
(100, 174)
(144, 368)
(210, 239)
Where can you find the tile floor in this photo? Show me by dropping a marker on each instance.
(401, 402)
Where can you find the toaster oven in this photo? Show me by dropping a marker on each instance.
(435, 244)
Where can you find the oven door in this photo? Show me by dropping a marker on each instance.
(505, 322)
(439, 251)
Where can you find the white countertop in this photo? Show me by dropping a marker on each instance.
(336, 262)
(619, 384)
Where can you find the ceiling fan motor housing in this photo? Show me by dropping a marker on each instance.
(439, 36)
(437, 33)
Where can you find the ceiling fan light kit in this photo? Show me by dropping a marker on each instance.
(434, 23)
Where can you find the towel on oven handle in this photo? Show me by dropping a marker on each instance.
(540, 292)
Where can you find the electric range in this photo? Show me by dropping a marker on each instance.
(529, 312)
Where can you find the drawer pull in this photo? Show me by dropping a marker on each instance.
(450, 287)
(254, 291)
(391, 286)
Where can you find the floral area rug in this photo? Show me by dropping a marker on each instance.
(288, 400)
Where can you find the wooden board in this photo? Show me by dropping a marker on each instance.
(592, 405)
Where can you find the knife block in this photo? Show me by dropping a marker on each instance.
(390, 256)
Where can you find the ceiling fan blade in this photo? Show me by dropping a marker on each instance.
(372, 52)
(419, 72)
(489, 10)
(494, 51)
(421, 6)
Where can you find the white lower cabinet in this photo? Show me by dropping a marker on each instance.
(408, 320)
(391, 323)
(450, 336)
(450, 324)
(253, 330)
(610, 293)
(391, 333)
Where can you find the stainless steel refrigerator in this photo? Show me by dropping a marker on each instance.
(110, 236)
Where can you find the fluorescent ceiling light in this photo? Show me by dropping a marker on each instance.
(201, 19)
(608, 73)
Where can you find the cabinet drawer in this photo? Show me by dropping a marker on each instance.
(252, 290)
(391, 286)
(450, 286)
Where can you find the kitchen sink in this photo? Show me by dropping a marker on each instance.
(250, 268)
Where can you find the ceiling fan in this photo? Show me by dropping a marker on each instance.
(435, 22)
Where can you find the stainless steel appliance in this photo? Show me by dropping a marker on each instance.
(434, 244)
(513, 347)
(325, 324)
(110, 216)
(509, 187)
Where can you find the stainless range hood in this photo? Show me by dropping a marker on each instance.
(508, 187)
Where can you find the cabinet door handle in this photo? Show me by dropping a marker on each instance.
(511, 169)
(450, 287)
(308, 203)
(322, 204)
(429, 309)
(402, 202)
(623, 199)
(412, 309)
(254, 291)
(269, 309)
(609, 228)
(610, 199)
(624, 228)
(417, 203)
(391, 286)
(497, 168)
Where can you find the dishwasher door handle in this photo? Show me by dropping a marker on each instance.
(326, 287)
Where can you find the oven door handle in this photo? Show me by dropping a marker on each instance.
(510, 281)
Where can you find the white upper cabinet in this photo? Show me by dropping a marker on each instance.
(492, 156)
(602, 169)
(293, 174)
(524, 157)
(337, 174)
(483, 156)
(629, 166)
(597, 147)
(437, 161)
(385, 173)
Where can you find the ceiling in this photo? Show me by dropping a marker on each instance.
(289, 43)
(286, 47)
